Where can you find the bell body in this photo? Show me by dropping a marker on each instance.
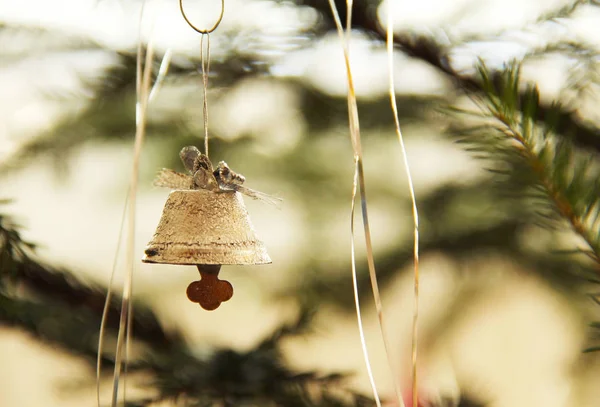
(205, 227)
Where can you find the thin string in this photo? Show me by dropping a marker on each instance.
(123, 337)
(205, 62)
(415, 212)
(361, 330)
(358, 160)
(200, 30)
(103, 322)
(107, 305)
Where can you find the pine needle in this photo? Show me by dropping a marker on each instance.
(415, 213)
(561, 178)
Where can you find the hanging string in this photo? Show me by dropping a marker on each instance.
(205, 61)
(201, 31)
(359, 184)
(413, 199)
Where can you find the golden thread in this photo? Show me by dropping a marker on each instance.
(205, 62)
(126, 309)
(107, 306)
(415, 213)
(356, 145)
(203, 31)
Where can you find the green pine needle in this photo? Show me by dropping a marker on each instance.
(525, 149)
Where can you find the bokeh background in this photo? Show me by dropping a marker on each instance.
(504, 318)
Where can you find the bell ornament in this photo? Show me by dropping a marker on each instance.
(200, 226)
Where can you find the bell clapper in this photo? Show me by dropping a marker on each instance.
(209, 292)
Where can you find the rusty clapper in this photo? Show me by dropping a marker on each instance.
(205, 223)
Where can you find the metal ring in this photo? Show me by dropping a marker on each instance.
(214, 27)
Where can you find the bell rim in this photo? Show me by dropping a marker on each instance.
(148, 261)
(186, 255)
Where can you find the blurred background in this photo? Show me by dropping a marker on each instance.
(504, 316)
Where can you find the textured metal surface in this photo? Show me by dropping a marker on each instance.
(205, 227)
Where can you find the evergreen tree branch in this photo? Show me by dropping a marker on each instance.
(496, 226)
(254, 378)
(57, 308)
(567, 176)
(21, 271)
(54, 324)
(435, 54)
(567, 10)
(107, 115)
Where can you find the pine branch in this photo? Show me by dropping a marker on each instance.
(254, 378)
(58, 309)
(108, 114)
(568, 177)
(437, 55)
(21, 271)
(72, 330)
(567, 10)
(493, 222)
